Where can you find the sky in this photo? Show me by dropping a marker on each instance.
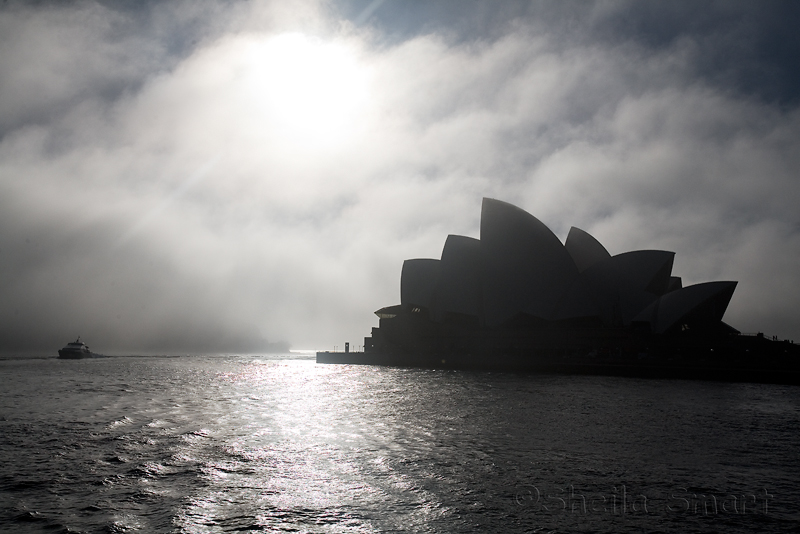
(243, 176)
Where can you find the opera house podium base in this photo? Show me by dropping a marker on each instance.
(735, 358)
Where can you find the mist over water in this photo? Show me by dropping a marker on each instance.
(279, 443)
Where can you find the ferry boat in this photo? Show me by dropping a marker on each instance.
(75, 350)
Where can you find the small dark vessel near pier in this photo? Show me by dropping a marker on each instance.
(517, 299)
(76, 350)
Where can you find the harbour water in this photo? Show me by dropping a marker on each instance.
(244, 443)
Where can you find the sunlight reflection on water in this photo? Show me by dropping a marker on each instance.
(243, 443)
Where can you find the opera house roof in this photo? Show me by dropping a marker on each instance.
(520, 269)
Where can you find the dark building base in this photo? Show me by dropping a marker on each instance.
(409, 340)
(784, 374)
(577, 350)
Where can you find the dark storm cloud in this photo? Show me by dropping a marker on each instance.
(222, 177)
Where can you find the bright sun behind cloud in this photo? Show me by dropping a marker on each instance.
(313, 92)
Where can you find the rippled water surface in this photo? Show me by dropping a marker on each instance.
(279, 444)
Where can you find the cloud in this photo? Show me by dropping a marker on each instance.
(260, 176)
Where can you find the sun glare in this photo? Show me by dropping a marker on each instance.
(313, 91)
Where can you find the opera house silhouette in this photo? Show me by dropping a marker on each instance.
(519, 299)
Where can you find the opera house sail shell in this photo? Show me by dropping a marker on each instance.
(518, 298)
(519, 270)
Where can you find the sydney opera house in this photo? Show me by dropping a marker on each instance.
(520, 299)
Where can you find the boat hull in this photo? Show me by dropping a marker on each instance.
(74, 355)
